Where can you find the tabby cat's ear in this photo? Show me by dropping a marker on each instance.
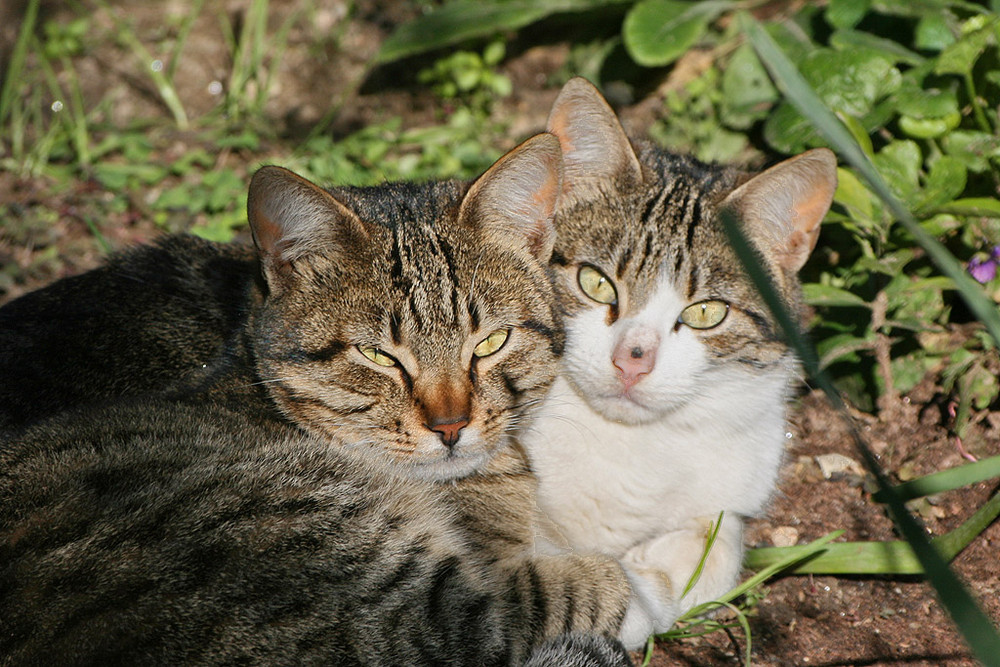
(514, 202)
(784, 206)
(292, 218)
(595, 148)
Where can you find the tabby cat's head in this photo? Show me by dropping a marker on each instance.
(415, 320)
(659, 309)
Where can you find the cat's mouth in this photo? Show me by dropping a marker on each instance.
(450, 466)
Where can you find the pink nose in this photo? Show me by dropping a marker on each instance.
(632, 362)
(449, 433)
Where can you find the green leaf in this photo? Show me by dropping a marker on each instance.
(899, 163)
(973, 148)
(816, 294)
(960, 57)
(462, 20)
(747, 91)
(986, 207)
(933, 32)
(851, 39)
(846, 13)
(945, 181)
(657, 32)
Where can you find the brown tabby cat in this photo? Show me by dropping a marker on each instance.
(409, 329)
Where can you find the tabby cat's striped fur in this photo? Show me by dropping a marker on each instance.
(202, 527)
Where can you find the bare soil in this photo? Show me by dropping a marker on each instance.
(802, 620)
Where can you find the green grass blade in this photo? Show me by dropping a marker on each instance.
(946, 480)
(974, 625)
(894, 557)
(709, 543)
(14, 76)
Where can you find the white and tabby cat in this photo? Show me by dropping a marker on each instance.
(670, 406)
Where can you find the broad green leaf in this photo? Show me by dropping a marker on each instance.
(945, 181)
(974, 149)
(976, 206)
(816, 294)
(851, 39)
(462, 20)
(959, 58)
(747, 91)
(916, 101)
(899, 163)
(854, 196)
(657, 32)
(846, 13)
(933, 32)
(849, 82)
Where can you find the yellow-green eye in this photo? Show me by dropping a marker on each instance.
(377, 355)
(596, 285)
(491, 343)
(705, 314)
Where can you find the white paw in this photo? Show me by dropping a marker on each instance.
(652, 608)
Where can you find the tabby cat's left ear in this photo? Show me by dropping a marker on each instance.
(514, 202)
(292, 219)
(783, 207)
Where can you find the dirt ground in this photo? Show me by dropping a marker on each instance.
(802, 620)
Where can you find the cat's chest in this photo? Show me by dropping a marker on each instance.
(606, 485)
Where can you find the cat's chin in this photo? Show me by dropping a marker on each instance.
(448, 468)
(625, 410)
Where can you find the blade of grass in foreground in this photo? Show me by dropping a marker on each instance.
(896, 557)
(975, 627)
(946, 480)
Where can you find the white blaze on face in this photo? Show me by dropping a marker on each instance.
(642, 365)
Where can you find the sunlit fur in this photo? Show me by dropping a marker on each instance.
(190, 523)
(654, 427)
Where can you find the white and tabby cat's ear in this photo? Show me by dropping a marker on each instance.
(514, 202)
(595, 148)
(784, 206)
(292, 218)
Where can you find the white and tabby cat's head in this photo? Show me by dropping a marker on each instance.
(415, 320)
(658, 307)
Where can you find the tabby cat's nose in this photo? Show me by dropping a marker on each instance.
(450, 432)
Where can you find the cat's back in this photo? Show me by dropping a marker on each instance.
(168, 533)
(151, 318)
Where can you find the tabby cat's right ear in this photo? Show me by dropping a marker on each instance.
(292, 219)
(596, 150)
(514, 202)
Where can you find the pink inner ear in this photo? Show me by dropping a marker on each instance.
(266, 233)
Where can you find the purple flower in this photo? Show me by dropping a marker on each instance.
(985, 270)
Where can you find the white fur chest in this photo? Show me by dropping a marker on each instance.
(607, 486)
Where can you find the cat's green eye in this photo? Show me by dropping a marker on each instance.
(705, 314)
(376, 355)
(491, 343)
(596, 285)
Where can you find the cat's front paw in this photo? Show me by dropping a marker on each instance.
(653, 607)
(676, 555)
